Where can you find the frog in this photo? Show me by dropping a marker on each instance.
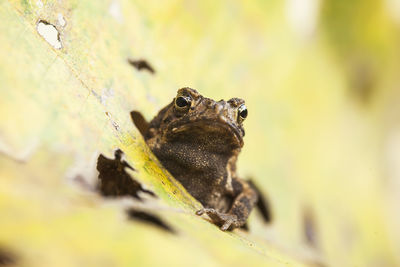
(198, 140)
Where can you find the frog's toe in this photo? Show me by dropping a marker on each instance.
(227, 224)
(200, 212)
(224, 220)
(205, 210)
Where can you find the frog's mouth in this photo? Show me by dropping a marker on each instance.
(212, 132)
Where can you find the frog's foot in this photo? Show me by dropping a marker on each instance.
(225, 220)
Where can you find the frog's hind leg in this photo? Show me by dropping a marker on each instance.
(140, 122)
(239, 211)
(243, 203)
(263, 204)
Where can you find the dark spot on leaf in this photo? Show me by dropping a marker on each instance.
(262, 203)
(309, 228)
(141, 64)
(115, 181)
(140, 122)
(7, 258)
(149, 218)
(114, 124)
(362, 81)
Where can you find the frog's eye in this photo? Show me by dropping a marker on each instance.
(242, 113)
(182, 102)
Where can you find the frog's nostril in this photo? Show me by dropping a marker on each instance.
(209, 102)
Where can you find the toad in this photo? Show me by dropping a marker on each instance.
(198, 141)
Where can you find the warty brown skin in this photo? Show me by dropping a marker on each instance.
(198, 141)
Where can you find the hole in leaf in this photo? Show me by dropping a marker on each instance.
(49, 33)
(149, 218)
(141, 64)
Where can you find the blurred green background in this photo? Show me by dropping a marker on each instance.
(320, 80)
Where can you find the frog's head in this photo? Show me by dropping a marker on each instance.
(193, 118)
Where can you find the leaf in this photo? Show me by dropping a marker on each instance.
(64, 100)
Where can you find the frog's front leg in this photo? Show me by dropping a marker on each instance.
(238, 213)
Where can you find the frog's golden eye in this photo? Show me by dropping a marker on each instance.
(242, 113)
(182, 102)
